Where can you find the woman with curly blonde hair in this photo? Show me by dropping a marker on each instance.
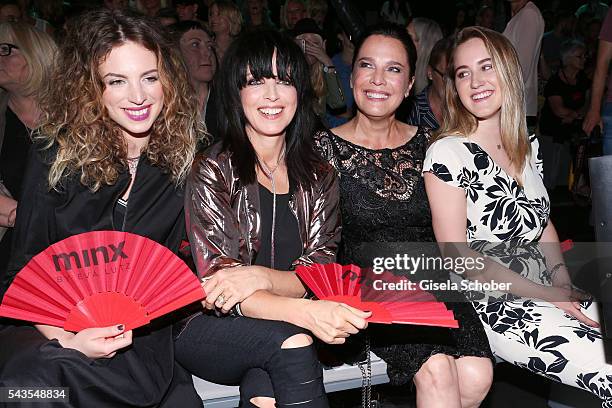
(118, 136)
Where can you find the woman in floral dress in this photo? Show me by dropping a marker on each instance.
(483, 178)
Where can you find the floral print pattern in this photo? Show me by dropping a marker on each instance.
(505, 220)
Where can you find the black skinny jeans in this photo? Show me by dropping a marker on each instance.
(247, 352)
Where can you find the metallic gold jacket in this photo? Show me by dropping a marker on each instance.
(224, 222)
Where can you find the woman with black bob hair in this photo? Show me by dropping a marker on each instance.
(259, 64)
(259, 204)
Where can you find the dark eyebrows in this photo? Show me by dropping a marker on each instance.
(369, 59)
(480, 62)
(112, 74)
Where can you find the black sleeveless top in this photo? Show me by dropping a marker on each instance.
(287, 242)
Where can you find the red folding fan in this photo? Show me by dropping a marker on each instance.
(100, 279)
(353, 286)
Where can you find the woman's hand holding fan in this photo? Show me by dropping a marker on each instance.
(333, 322)
(352, 286)
(100, 279)
(99, 342)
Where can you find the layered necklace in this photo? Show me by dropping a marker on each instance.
(270, 175)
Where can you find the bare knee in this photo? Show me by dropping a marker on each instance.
(296, 341)
(263, 402)
(475, 378)
(437, 373)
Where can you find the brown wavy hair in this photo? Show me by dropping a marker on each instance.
(75, 120)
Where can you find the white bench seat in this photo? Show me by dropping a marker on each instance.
(339, 378)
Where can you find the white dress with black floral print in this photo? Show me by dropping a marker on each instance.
(529, 333)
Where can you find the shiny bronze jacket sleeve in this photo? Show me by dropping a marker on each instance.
(322, 233)
(212, 225)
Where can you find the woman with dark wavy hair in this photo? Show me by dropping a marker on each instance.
(259, 204)
(118, 136)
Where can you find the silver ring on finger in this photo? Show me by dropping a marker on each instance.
(220, 299)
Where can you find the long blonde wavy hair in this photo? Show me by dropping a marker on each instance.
(458, 121)
(75, 120)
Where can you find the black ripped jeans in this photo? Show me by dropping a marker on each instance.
(247, 352)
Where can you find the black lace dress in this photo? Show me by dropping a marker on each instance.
(383, 200)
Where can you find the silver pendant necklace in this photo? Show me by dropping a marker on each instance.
(132, 163)
(270, 174)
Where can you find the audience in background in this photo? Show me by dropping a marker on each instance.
(593, 9)
(15, 11)
(149, 8)
(525, 30)
(395, 11)
(591, 42)
(462, 18)
(323, 75)
(10, 12)
(197, 48)
(317, 10)
(187, 10)
(225, 21)
(486, 17)
(561, 116)
(424, 33)
(167, 16)
(428, 105)
(563, 30)
(116, 4)
(596, 115)
(292, 12)
(256, 16)
(26, 59)
(343, 62)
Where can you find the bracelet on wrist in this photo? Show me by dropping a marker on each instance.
(236, 310)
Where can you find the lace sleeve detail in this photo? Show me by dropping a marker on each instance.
(323, 141)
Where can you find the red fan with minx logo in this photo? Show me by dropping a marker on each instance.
(100, 279)
(349, 284)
